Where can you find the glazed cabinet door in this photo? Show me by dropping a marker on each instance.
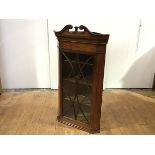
(76, 85)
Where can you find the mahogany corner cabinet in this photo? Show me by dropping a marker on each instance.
(81, 72)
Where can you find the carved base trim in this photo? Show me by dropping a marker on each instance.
(76, 124)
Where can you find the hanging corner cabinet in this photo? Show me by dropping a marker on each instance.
(81, 73)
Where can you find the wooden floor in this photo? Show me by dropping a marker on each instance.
(35, 111)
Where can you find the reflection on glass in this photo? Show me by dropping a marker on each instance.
(77, 81)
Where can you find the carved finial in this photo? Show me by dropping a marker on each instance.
(82, 27)
(76, 28)
(66, 28)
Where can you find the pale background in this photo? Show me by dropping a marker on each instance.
(58, 9)
(24, 57)
(29, 55)
(28, 47)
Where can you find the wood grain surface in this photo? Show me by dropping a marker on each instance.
(34, 112)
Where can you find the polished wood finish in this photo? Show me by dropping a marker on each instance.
(153, 87)
(77, 46)
(33, 112)
(0, 86)
(91, 43)
(97, 92)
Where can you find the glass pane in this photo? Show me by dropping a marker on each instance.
(77, 81)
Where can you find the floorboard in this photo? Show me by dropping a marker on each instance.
(33, 112)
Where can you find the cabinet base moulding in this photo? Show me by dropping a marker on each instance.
(76, 124)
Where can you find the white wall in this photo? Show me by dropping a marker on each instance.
(24, 58)
(126, 65)
(142, 69)
(120, 48)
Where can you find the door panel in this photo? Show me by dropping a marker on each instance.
(77, 70)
